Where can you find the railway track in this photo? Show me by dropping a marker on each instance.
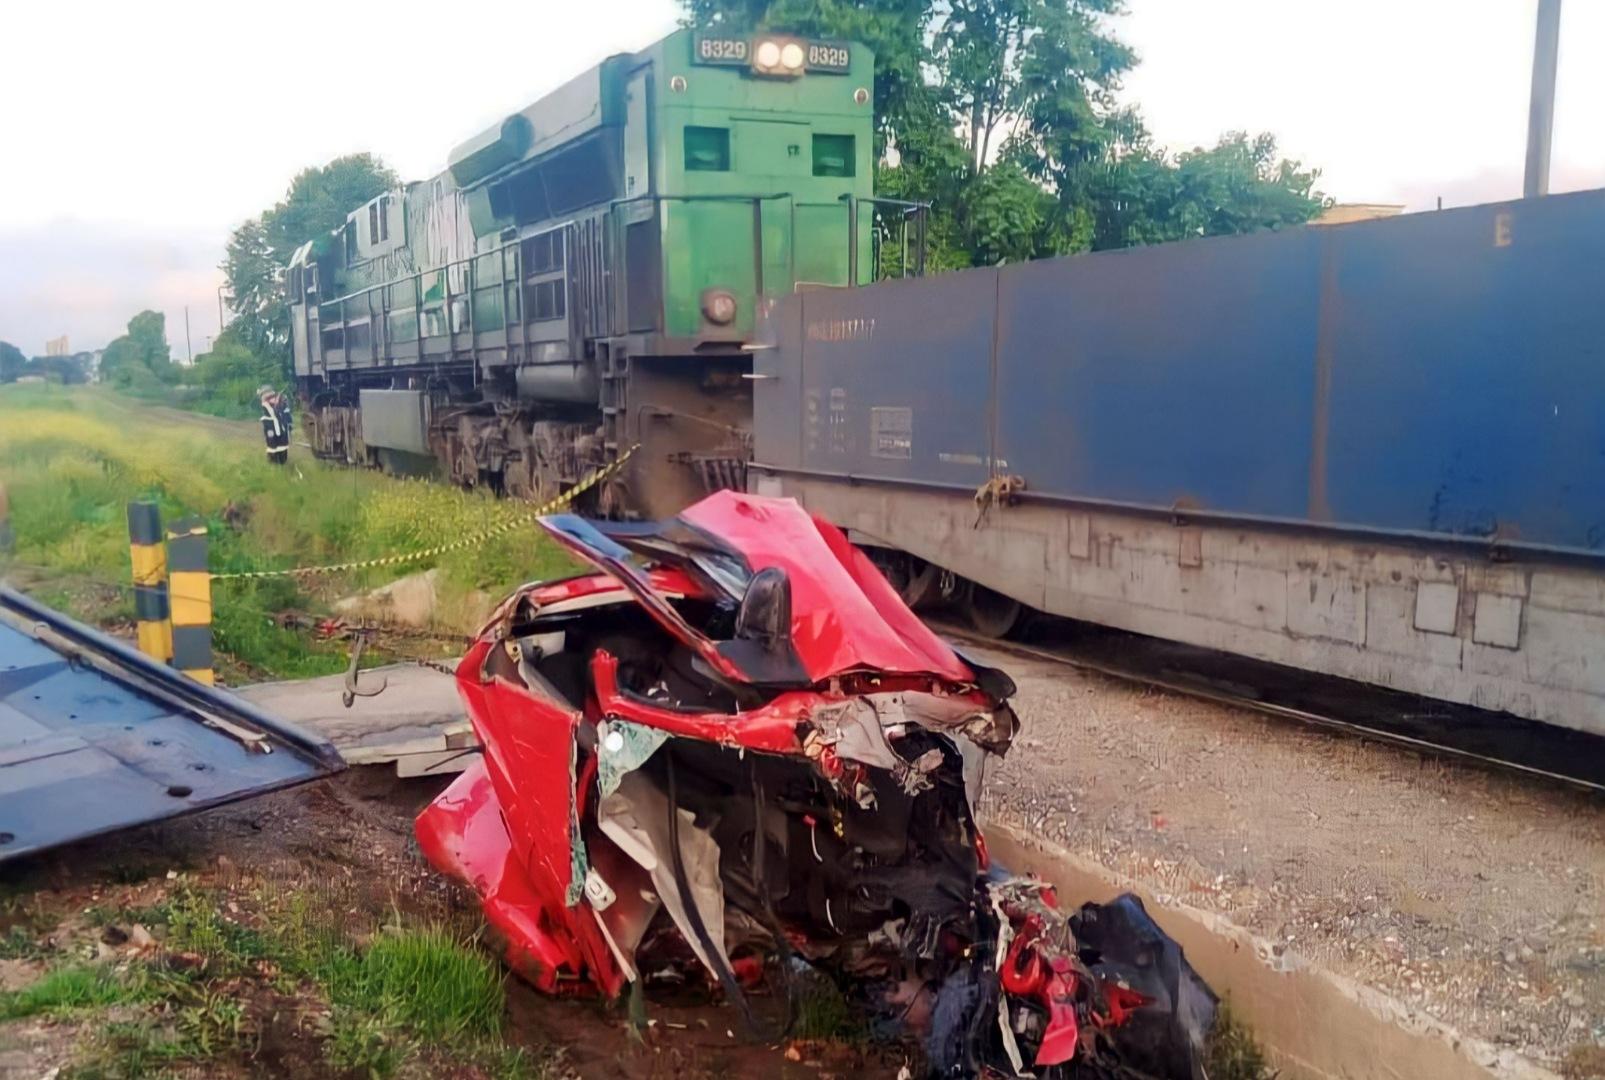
(1496, 740)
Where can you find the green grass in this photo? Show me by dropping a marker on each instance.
(1233, 1052)
(72, 458)
(20, 943)
(131, 1050)
(427, 982)
(69, 988)
(415, 988)
(421, 994)
(823, 1011)
(195, 925)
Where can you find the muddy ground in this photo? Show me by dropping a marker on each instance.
(1476, 896)
(345, 845)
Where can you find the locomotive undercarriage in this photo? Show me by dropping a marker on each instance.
(689, 417)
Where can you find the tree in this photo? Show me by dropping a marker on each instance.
(62, 369)
(12, 362)
(1004, 115)
(228, 376)
(140, 359)
(1237, 186)
(317, 202)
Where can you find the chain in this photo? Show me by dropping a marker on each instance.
(472, 540)
(432, 665)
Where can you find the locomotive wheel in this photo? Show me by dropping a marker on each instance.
(465, 469)
(993, 614)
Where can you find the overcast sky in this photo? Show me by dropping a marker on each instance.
(136, 135)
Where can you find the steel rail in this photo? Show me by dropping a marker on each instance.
(1270, 708)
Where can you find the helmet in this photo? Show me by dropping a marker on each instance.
(264, 390)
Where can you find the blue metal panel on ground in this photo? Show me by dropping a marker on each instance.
(1435, 375)
(94, 737)
(1175, 375)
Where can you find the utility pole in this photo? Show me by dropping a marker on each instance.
(220, 311)
(188, 352)
(1541, 111)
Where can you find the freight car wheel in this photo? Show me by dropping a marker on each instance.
(922, 589)
(993, 614)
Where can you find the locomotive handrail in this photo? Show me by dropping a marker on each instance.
(446, 267)
(915, 209)
(351, 311)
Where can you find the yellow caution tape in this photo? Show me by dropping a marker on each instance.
(456, 545)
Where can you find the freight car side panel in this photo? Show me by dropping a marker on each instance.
(1437, 375)
(1167, 376)
(1467, 368)
(896, 380)
(1344, 418)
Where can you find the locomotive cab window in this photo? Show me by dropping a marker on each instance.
(833, 155)
(707, 149)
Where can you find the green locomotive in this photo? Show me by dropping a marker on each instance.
(587, 274)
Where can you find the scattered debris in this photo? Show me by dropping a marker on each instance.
(732, 748)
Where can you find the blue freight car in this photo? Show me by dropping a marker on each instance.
(1375, 450)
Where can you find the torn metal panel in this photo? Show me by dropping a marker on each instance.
(464, 833)
(635, 817)
(96, 737)
(844, 616)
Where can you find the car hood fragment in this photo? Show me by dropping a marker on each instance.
(731, 752)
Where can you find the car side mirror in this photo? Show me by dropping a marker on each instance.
(764, 617)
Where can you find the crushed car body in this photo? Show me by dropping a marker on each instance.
(732, 747)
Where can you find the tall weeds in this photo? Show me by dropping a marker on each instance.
(72, 458)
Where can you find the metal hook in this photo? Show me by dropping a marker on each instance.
(352, 690)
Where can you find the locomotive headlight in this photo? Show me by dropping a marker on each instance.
(719, 306)
(779, 57)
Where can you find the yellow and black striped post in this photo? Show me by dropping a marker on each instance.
(190, 584)
(8, 539)
(150, 580)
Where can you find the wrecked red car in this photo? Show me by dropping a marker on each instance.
(733, 748)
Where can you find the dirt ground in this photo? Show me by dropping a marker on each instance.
(347, 842)
(1476, 896)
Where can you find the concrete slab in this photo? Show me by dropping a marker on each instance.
(417, 722)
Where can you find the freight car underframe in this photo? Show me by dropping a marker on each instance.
(1493, 627)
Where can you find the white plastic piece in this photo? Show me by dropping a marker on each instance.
(597, 891)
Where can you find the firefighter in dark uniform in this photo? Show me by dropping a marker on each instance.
(275, 424)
